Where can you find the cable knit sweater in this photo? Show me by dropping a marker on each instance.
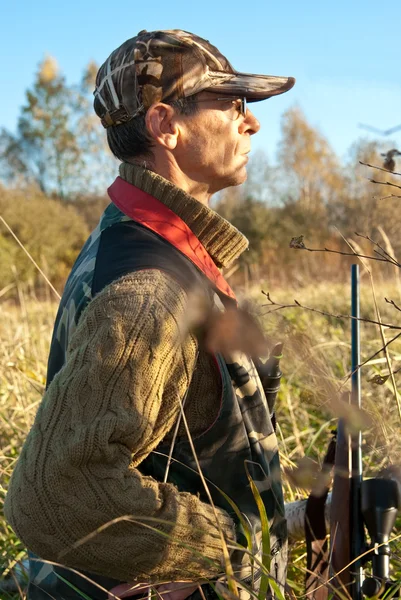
(76, 496)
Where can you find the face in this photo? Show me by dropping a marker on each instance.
(214, 143)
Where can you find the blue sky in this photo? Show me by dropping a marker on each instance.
(344, 54)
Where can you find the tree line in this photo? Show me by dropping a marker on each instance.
(54, 170)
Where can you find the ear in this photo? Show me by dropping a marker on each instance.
(162, 126)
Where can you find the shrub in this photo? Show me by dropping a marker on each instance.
(51, 231)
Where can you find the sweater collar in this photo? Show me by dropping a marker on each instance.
(222, 240)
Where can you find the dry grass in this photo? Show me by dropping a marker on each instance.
(316, 362)
(25, 330)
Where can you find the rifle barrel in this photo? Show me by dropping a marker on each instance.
(357, 528)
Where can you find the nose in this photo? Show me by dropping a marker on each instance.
(250, 124)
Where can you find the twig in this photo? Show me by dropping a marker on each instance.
(382, 259)
(385, 183)
(393, 303)
(322, 312)
(379, 351)
(383, 378)
(385, 257)
(378, 168)
(385, 197)
(385, 253)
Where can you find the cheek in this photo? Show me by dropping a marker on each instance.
(211, 142)
(218, 140)
(196, 140)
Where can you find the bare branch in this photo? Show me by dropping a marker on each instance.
(297, 304)
(385, 254)
(393, 303)
(297, 243)
(343, 253)
(386, 345)
(385, 183)
(379, 168)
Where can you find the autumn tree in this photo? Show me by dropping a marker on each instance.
(59, 144)
(308, 165)
(100, 165)
(45, 140)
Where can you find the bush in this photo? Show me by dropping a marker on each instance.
(51, 231)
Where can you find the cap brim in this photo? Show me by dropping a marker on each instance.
(254, 87)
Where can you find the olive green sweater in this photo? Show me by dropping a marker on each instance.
(76, 496)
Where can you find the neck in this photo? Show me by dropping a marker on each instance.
(170, 170)
(222, 240)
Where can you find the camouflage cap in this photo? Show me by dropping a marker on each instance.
(168, 65)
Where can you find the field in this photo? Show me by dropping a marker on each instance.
(315, 365)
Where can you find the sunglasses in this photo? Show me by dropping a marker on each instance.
(239, 103)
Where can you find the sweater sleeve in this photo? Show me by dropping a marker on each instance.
(128, 364)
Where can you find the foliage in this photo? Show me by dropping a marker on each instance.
(308, 163)
(51, 231)
(59, 144)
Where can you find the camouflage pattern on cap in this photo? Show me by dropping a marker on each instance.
(167, 65)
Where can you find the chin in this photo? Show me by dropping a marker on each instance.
(240, 177)
(236, 178)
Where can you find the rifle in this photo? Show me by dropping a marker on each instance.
(372, 505)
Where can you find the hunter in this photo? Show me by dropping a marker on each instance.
(106, 493)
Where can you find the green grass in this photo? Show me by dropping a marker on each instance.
(315, 365)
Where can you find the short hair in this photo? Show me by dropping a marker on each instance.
(131, 140)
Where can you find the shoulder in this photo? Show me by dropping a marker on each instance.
(128, 247)
(144, 300)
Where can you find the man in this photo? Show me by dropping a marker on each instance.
(108, 480)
